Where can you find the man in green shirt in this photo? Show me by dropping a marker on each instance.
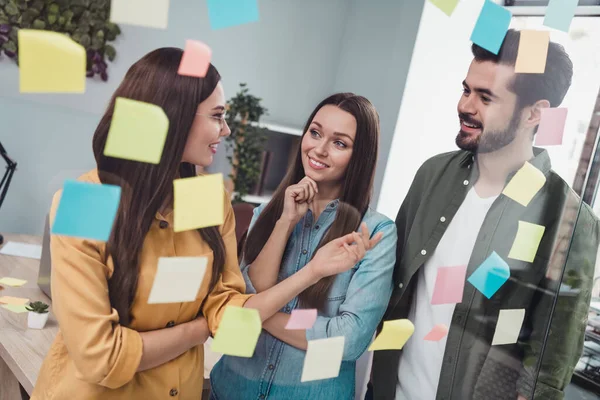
(457, 213)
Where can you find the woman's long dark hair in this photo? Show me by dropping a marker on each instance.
(357, 188)
(145, 187)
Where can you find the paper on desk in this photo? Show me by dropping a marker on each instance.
(525, 184)
(195, 60)
(238, 332)
(449, 285)
(491, 26)
(437, 333)
(302, 319)
(490, 275)
(552, 127)
(177, 279)
(148, 13)
(198, 202)
(18, 249)
(13, 300)
(533, 52)
(508, 326)
(323, 359)
(447, 6)
(394, 335)
(16, 308)
(50, 62)
(14, 282)
(527, 241)
(560, 13)
(228, 13)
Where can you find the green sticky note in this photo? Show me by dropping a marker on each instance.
(137, 132)
(16, 308)
(527, 241)
(238, 332)
(447, 6)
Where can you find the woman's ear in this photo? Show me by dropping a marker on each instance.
(535, 115)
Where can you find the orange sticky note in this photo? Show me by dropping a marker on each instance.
(533, 52)
(195, 59)
(552, 127)
(437, 333)
(13, 300)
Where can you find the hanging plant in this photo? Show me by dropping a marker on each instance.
(85, 21)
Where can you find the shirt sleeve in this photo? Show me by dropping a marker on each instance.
(244, 267)
(104, 352)
(230, 288)
(366, 300)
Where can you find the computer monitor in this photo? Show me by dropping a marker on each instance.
(46, 261)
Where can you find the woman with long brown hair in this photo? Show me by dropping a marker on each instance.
(112, 344)
(324, 196)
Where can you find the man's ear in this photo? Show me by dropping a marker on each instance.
(535, 113)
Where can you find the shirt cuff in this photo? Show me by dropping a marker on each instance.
(250, 289)
(319, 329)
(128, 360)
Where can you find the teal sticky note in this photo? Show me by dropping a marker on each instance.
(490, 275)
(86, 210)
(491, 27)
(227, 13)
(560, 13)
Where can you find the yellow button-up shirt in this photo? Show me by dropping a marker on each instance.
(93, 356)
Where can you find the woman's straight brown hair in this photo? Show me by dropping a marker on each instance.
(357, 189)
(146, 187)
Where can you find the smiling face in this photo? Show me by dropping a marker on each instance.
(328, 145)
(207, 130)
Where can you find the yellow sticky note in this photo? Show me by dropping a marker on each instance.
(198, 202)
(13, 300)
(394, 335)
(50, 62)
(12, 282)
(16, 308)
(527, 241)
(533, 52)
(137, 132)
(323, 359)
(447, 6)
(525, 184)
(238, 332)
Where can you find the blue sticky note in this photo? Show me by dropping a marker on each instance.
(560, 13)
(491, 27)
(86, 210)
(490, 275)
(227, 13)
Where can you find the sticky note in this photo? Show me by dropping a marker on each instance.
(302, 319)
(238, 332)
(86, 210)
(148, 13)
(177, 279)
(137, 131)
(50, 62)
(552, 127)
(490, 275)
(447, 6)
(527, 241)
(13, 300)
(323, 359)
(491, 27)
(560, 13)
(227, 13)
(393, 335)
(437, 333)
(533, 52)
(195, 60)
(525, 184)
(508, 326)
(13, 282)
(449, 285)
(16, 308)
(198, 202)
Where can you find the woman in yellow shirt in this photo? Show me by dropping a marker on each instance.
(111, 343)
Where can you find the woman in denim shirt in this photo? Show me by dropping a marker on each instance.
(324, 195)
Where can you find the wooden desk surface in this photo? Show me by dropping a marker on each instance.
(23, 349)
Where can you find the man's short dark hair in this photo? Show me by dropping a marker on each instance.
(552, 85)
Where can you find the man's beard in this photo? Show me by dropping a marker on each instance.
(488, 141)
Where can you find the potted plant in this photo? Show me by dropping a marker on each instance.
(38, 315)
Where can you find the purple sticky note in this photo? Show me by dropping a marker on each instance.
(449, 285)
(552, 127)
(302, 319)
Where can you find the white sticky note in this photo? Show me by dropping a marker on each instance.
(22, 250)
(177, 279)
(148, 13)
(508, 326)
(323, 359)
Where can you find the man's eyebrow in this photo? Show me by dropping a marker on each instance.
(487, 92)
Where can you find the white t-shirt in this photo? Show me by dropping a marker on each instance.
(421, 361)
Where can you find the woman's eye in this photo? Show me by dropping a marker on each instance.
(219, 116)
(314, 133)
(340, 144)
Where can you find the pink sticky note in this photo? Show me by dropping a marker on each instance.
(437, 333)
(449, 285)
(302, 319)
(195, 59)
(552, 127)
